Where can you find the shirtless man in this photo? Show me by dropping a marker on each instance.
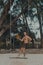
(26, 39)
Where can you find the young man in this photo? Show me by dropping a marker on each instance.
(26, 39)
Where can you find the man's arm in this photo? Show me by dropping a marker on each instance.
(30, 39)
(22, 39)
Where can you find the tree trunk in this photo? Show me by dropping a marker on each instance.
(39, 18)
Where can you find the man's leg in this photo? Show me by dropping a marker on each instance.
(24, 51)
(20, 51)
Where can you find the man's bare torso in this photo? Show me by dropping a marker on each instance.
(26, 39)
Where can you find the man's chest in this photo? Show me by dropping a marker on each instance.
(25, 38)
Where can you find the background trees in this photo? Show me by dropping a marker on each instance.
(19, 15)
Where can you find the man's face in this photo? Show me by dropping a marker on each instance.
(24, 33)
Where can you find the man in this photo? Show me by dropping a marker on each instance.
(26, 39)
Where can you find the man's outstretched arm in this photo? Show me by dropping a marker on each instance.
(21, 39)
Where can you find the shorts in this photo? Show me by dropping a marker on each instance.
(24, 45)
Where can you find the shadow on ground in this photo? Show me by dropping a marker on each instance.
(18, 57)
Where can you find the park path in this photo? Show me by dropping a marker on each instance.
(13, 59)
